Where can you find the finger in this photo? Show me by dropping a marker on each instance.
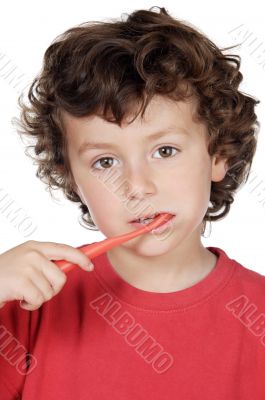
(54, 275)
(42, 283)
(31, 298)
(61, 251)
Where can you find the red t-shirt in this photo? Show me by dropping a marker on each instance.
(102, 338)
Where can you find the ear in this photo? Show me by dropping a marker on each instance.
(219, 168)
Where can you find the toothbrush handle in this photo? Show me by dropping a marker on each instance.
(92, 250)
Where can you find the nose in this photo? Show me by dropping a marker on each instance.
(139, 181)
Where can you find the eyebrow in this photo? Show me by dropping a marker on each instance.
(90, 145)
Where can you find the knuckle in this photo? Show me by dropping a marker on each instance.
(38, 299)
(30, 242)
(32, 255)
(28, 269)
(58, 285)
(56, 290)
(22, 282)
(32, 307)
(62, 279)
(48, 295)
(59, 245)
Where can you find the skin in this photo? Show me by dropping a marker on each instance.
(177, 179)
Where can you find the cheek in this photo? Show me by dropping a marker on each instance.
(193, 187)
(95, 195)
(102, 199)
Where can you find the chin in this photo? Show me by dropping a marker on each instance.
(151, 245)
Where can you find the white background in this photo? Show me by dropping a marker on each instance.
(27, 28)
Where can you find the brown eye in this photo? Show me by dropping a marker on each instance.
(103, 162)
(166, 151)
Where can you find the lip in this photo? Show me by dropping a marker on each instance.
(146, 216)
(161, 228)
(157, 214)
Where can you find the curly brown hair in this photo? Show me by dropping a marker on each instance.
(109, 68)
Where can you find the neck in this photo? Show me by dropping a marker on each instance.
(177, 269)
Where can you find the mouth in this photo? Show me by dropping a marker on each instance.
(147, 219)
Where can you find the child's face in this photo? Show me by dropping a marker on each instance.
(176, 179)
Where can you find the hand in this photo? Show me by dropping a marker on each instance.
(28, 275)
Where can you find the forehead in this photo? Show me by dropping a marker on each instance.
(160, 114)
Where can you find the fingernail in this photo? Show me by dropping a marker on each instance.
(91, 267)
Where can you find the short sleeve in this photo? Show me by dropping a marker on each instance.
(14, 349)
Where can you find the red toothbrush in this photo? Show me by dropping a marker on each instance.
(94, 249)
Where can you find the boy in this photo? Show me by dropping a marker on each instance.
(160, 316)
